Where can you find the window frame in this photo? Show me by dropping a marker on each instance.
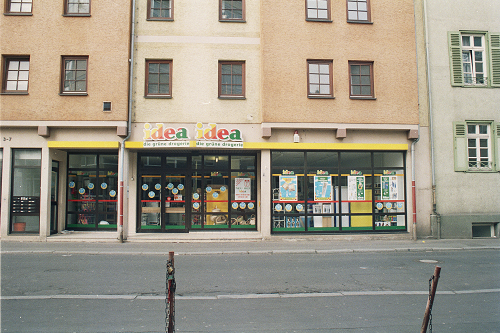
(372, 80)
(225, 19)
(330, 74)
(146, 78)
(154, 18)
(461, 146)
(8, 8)
(6, 59)
(83, 14)
(231, 96)
(329, 11)
(63, 76)
(368, 12)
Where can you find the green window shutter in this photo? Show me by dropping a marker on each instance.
(460, 145)
(496, 145)
(455, 53)
(495, 59)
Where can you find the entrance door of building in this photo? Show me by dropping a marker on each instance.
(54, 190)
(164, 198)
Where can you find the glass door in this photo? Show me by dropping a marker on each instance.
(150, 195)
(175, 201)
(54, 189)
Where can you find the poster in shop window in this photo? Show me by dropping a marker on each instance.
(288, 188)
(389, 187)
(242, 189)
(355, 188)
(322, 188)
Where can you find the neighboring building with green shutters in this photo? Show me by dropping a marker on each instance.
(464, 78)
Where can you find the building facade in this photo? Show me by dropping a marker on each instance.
(64, 107)
(464, 81)
(246, 120)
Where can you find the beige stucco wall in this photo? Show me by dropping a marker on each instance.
(289, 41)
(46, 36)
(195, 41)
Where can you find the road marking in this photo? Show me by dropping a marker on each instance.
(251, 296)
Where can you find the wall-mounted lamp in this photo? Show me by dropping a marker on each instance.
(216, 159)
(296, 137)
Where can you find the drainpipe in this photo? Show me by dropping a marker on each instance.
(121, 161)
(435, 217)
(413, 189)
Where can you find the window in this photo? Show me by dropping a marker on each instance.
(231, 79)
(361, 79)
(358, 11)
(232, 10)
(16, 73)
(161, 10)
(158, 78)
(77, 7)
(475, 144)
(74, 76)
(470, 63)
(318, 10)
(320, 78)
(19, 6)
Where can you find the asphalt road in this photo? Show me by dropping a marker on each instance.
(338, 292)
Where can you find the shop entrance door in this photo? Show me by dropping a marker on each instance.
(164, 198)
(54, 189)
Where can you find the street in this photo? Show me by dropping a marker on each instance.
(338, 292)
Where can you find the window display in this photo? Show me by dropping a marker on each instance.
(328, 191)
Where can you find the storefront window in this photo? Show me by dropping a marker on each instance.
(217, 192)
(92, 191)
(328, 191)
(25, 201)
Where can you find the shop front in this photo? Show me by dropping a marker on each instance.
(189, 191)
(338, 191)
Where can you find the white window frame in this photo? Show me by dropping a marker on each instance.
(477, 160)
(470, 63)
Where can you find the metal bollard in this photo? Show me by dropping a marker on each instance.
(170, 295)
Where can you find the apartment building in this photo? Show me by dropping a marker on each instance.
(64, 107)
(464, 80)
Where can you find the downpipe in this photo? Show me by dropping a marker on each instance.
(413, 190)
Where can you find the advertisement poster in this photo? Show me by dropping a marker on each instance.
(242, 189)
(288, 188)
(322, 188)
(384, 187)
(356, 188)
(393, 188)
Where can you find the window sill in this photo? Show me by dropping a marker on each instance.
(233, 21)
(160, 19)
(481, 171)
(73, 94)
(319, 20)
(14, 93)
(320, 97)
(360, 22)
(232, 97)
(18, 14)
(370, 98)
(76, 15)
(158, 97)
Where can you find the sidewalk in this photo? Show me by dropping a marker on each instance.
(278, 245)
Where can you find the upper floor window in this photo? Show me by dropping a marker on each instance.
(470, 63)
(358, 11)
(74, 75)
(474, 144)
(19, 6)
(318, 10)
(77, 7)
(361, 79)
(161, 10)
(16, 73)
(231, 79)
(158, 78)
(232, 10)
(320, 78)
